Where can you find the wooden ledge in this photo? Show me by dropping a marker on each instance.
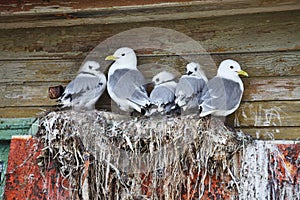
(71, 14)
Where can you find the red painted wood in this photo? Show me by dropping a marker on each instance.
(24, 179)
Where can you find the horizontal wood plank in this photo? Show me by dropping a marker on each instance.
(268, 114)
(63, 70)
(23, 112)
(38, 70)
(32, 94)
(266, 64)
(271, 88)
(243, 33)
(256, 89)
(271, 133)
(36, 7)
(15, 126)
(49, 13)
(265, 113)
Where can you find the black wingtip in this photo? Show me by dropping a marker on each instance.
(200, 109)
(143, 111)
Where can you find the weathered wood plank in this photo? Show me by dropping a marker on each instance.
(277, 133)
(243, 33)
(38, 70)
(31, 94)
(49, 13)
(23, 112)
(256, 64)
(15, 126)
(267, 133)
(268, 114)
(272, 88)
(25, 95)
(266, 64)
(37, 7)
(256, 89)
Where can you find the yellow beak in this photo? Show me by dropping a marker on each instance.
(111, 57)
(242, 73)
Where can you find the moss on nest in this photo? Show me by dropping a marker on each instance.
(109, 156)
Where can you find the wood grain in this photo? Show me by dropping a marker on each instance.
(268, 114)
(271, 133)
(38, 70)
(276, 64)
(281, 113)
(48, 13)
(256, 89)
(23, 112)
(36, 7)
(243, 33)
(258, 114)
(272, 88)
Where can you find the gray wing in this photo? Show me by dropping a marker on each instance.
(162, 95)
(233, 92)
(190, 86)
(92, 92)
(128, 84)
(222, 94)
(82, 83)
(84, 87)
(190, 90)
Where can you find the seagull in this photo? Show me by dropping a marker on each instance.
(125, 82)
(224, 91)
(163, 94)
(190, 86)
(83, 92)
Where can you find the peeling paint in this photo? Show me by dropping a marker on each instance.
(266, 172)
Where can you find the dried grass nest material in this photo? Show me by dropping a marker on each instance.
(109, 156)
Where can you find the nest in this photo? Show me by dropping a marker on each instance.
(109, 156)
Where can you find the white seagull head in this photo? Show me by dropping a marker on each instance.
(195, 69)
(124, 56)
(163, 77)
(230, 69)
(92, 67)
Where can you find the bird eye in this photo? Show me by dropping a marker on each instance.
(157, 80)
(90, 66)
(123, 54)
(195, 69)
(231, 67)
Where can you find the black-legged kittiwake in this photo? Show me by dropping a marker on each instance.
(190, 86)
(225, 90)
(163, 94)
(125, 82)
(84, 91)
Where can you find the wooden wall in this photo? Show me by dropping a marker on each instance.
(43, 43)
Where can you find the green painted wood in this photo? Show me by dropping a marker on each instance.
(17, 126)
(8, 128)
